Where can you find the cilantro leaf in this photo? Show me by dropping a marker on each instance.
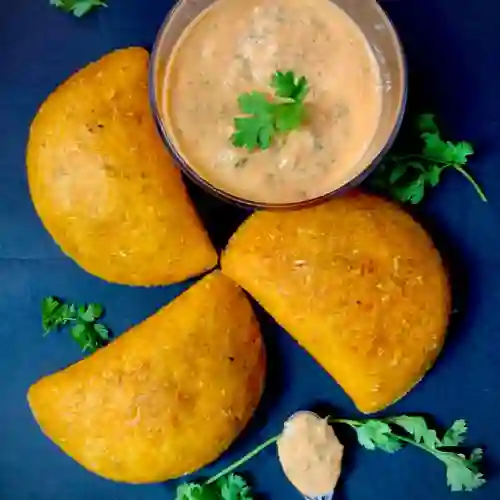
(193, 491)
(265, 117)
(233, 487)
(408, 177)
(434, 147)
(50, 314)
(289, 116)
(80, 335)
(374, 434)
(413, 193)
(85, 330)
(427, 123)
(90, 313)
(476, 456)
(255, 103)
(455, 435)
(416, 426)
(461, 473)
(433, 176)
(286, 85)
(78, 7)
(102, 331)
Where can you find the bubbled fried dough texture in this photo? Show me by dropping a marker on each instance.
(103, 183)
(357, 282)
(167, 397)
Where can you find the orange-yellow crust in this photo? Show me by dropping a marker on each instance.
(357, 282)
(167, 397)
(103, 183)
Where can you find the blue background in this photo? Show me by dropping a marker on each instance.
(453, 49)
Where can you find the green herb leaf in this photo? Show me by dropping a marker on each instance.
(289, 116)
(90, 313)
(286, 85)
(408, 177)
(78, 7)
(85, 330)
(417, 427)
(265, 117)
(427, 123)
(476, 456)
(461, 473)
(233, 487)
(455, 435)
(102, 331)
(50, 316)
(80, 335)
(374, 434)
(255, 103)
(193, 491)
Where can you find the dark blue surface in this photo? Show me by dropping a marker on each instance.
(453, 49)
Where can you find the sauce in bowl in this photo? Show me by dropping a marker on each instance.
(234, 47)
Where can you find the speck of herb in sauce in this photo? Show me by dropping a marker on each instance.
(318, 144)
(241, 163)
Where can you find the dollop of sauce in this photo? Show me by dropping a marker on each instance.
(235, 47)
(310, 454)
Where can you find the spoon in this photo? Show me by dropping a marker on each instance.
(328, 496)
(308, 423)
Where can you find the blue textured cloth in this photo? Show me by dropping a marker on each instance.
(453, 49)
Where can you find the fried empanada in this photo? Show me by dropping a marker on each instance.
(167, 397)
(103, 183)
(357, 282)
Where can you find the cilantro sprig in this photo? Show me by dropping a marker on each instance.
(78, 7)
(384, 434)
(265, 117)
(391, 434)
(407, 177)
(89, 334)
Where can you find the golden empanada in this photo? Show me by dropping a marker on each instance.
(168, 396)
(357, 282)
(103, 183)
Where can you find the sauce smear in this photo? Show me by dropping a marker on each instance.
(310, 454)
(235, 47)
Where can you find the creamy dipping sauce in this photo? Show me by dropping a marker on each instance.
(235, 47)
(310, 454)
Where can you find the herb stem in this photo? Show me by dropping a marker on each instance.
(243, 460)
(415, 156)
(471, 179)
(351, 423)
(414, 443)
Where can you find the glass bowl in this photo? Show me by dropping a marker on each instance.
(386, 47)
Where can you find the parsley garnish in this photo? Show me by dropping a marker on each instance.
(266, 117)
(85, 330)
(407, 177)
(385, 434)
(78, 7)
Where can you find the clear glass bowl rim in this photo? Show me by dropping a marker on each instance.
(250, 204)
